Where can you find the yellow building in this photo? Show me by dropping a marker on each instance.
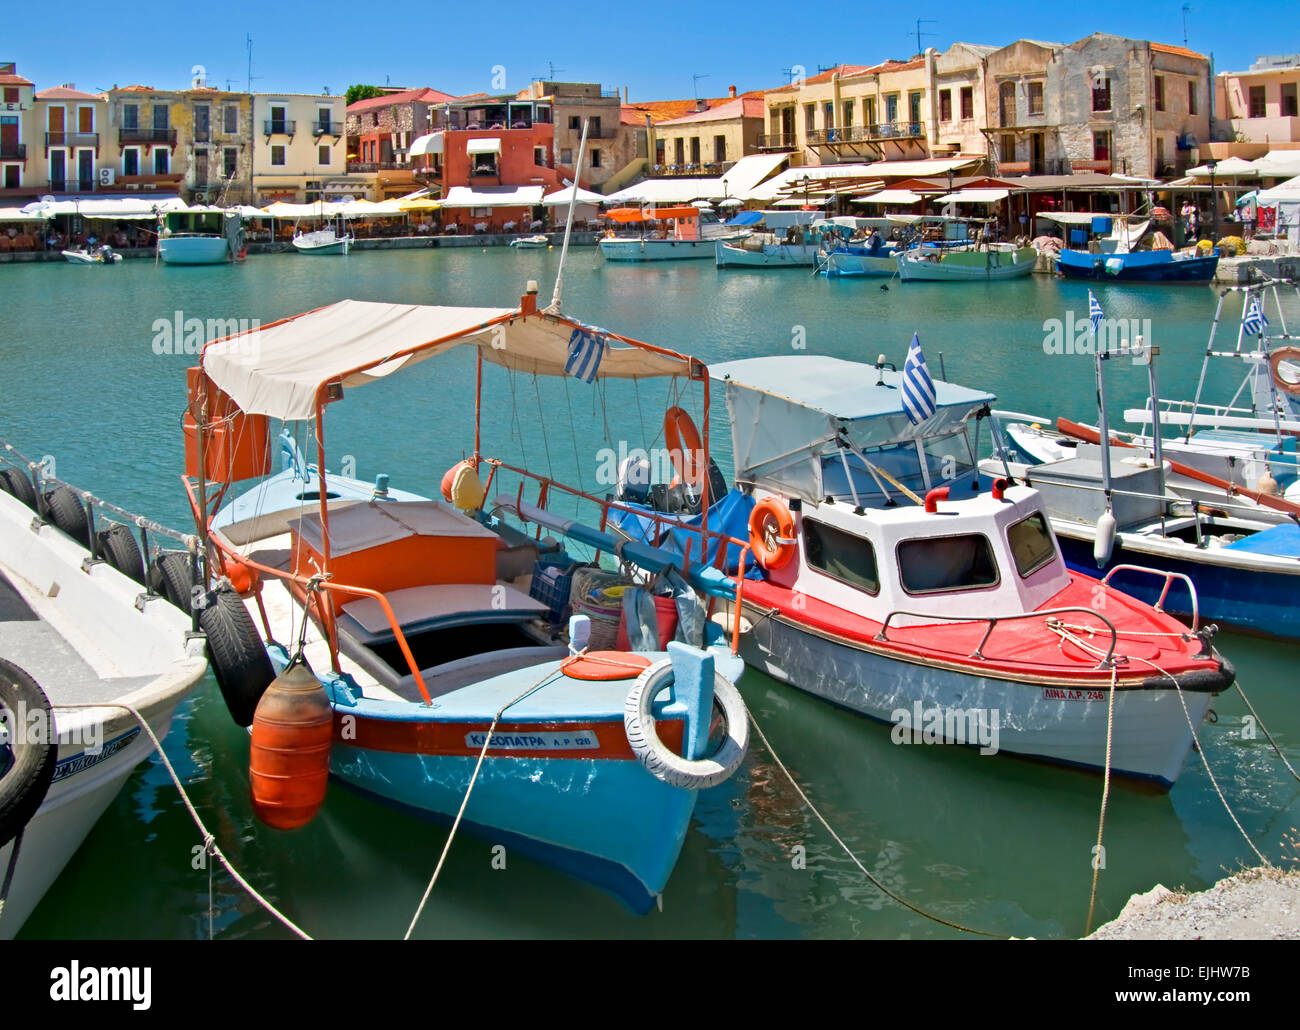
(299, 147)
(710, 141)
(75, 145)
(18, 138)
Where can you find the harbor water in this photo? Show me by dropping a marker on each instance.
(92, 371)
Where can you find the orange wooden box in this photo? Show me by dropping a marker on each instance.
(237, 446)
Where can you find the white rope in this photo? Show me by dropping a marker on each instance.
(210, 845)
(1105, 798)
(487, 740)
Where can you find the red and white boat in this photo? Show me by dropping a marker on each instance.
(898, 583)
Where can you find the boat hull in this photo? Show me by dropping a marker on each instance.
(966, 266)
(1140, 267)
(661, 250)
(1044, 720)
(795, 255)
(338, 247)
(1232, 589)
(847, 265)
(193, 250)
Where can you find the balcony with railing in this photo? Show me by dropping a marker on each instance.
(777, 141)
(280, 127)
(72, 139)
(146, 134)
(866, 133)
(319, 129)
(14, 151)
(73, 185)
(375, 166)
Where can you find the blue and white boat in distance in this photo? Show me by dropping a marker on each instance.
(429, 638)
(1110, 256)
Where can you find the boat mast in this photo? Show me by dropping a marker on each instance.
(568, 223)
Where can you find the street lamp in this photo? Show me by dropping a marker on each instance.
(1212, 164)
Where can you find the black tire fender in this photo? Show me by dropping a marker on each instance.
(31, 739)
(117, 546)
(236, 653)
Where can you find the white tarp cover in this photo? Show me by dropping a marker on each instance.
(1228, 168)
(975, 196)
(787, 411)
(741, 178)
(1279, 164)
(493, 196)
(565, 196)
(1287, 192)
(124, 208)
(278, 369)
(667, 192)
(17, 214)
(432, 143)
(890, 197)
(483, 146)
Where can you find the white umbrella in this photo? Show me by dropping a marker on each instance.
(732, 202)
(701, 203)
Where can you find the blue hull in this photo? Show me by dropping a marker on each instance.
(1141, 267)
(1264, 603)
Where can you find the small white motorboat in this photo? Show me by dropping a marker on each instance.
(80, 639)
(322, 241)
(534, 242)
(104, 255)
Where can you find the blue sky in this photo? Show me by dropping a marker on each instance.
(308, 47)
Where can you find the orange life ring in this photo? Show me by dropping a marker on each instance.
(1275, 359)
(685, 447)
(771, 533)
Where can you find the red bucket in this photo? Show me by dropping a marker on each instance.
(665, 617)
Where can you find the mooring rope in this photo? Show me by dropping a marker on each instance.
(1260, 723)
(451, 836)
(1097, 860)
(210, 845)
(849, 851)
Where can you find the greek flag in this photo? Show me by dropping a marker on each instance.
(918, 387)
(1254, 322)
(586, 348)
(1094, 313)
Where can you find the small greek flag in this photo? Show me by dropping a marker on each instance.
(1095, 314)
(586, 348)
(918, 387)
(1254, 321)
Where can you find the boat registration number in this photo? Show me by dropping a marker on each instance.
(541, 740)
(1067, 694)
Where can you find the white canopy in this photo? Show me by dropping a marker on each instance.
(123, 208)
(18, 214)
(1279, 164)
(563, 197)
(1228, 168)
(277, 370)
(975, 196)
(667, 192)
(493, 196)
(1285, 192)
(890, 197)
(483, 146)
(431, 143)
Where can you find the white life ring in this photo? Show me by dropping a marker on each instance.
(662, 762)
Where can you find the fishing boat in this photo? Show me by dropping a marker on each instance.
(894, 580)
(871, 257)
(434, 628)
(207, 238)
(322, 242)
(691, 233)
(1110, 509)
(1114, 255)
(84, 646)
(538, 241)
(104, 255)
(986, 262)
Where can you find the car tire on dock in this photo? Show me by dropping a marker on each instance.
(238, 657)
(68, 514)
(34, 746)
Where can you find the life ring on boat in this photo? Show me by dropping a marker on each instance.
(771, 533)
(683, 439)
(236, 653)
(34, 745)
(117, 546)
(1281, 381)
(14, 481)
(66, 512)
(660, 761)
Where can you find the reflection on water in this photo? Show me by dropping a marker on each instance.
(996, 843)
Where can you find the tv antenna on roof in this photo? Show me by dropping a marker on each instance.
(695, 82)
(919, 33)
(248, 42)
(550, 65)
(1186, 8)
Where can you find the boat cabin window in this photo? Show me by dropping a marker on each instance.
(939, 564)
(1031, 544)
(843, 556)
(948, 457)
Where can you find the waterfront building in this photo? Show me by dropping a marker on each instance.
(18, 128)
(300, 149)
(709, 139)
(1259, 109)
(610, 146)
(380, 133)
